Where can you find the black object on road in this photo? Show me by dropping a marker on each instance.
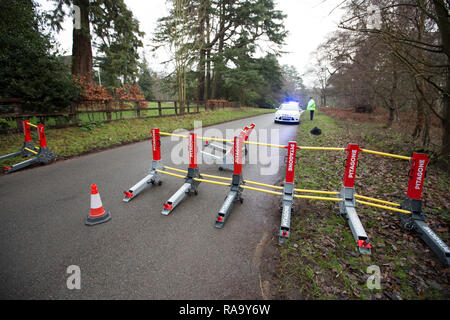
(316, 131)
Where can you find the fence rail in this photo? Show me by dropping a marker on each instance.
(85, 111)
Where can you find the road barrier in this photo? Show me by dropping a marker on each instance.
(410, 211)
(226, 160)
(27, 148)
(192, 179)
(41, 154)
(237, 181)
(153, 177)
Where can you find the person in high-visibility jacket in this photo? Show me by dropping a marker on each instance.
(311, 107)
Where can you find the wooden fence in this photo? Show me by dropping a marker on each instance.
(88, 111)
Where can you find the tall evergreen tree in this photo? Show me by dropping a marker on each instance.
(115, 28)
(145, 80)
(29, 70)
(219, 32)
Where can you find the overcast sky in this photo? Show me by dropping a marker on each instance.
(308, 22)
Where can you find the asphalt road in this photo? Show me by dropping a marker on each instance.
(139, 254)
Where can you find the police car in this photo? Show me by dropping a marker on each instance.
(288, 112)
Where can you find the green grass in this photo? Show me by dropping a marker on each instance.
(321, 261)
(87, 137)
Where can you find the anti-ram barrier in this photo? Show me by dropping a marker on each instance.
(41, 155)
(410, 211)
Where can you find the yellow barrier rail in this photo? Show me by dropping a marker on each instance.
(383, 207)
(377, 200)
(317, 191)
(263, 185)
(170, 174)
(256, 183)
(317, 198)
(32, 151)
(33, 125)
(172, 135)
(279, 193)
(265, 144)
(262, 190)
(321, 148)
(253, 143)
(386, 154)
(299, 147)
(243, 186)
(297, 190)
(196, 179)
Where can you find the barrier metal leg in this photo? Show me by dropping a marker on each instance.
(226, 161)
(288, 194)
(190, 186)
(28, 144)
(153, 178)
(286, 211)
(440, 249)
(416, 220)
(214, 146)
(348, 203)
(233, 196)
(44, 156)
(11, 155)
(22, 165)
(348, 211)
(237, 181)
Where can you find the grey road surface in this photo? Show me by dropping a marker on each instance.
(139, 254)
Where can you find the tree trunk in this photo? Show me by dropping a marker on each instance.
(392, 99)
(391, 117)
(208, 58)
(202, 58)
(444, 30)
(81, 47)
(420, 85)
(218, 61)
(420, 116)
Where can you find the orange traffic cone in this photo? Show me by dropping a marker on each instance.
(97, 214)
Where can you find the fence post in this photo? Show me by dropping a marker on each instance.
(108, 110)
(19, 119)
(138, 108)
(73, 113)
(175, 106)
(188, 107)
(159, 109)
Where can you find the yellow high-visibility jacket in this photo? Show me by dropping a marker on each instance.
(311, 105)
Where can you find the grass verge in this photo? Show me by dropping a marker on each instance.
(97, 136)
(321, 261)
